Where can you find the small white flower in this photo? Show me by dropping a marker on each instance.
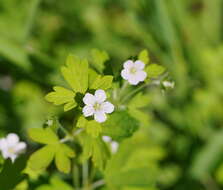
(134, 72)
(113, 144)
(106, 139)
(168, 84)
(11, 147)
(49, 122)
(97, 106)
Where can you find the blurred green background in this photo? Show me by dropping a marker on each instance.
(185, 125)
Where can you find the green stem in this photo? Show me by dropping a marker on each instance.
(122, 90)
(85, 175)
(134, 92)
(76, 182)
(97, 184)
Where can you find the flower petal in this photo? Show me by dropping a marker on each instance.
(114, 146)
(141, 75)
(125, 74)
(89, 99)
(128, 64)
(106, 138)
(12, 139)
(100, 117)
(107, 107)
(100, 96)
(88, 111)
(5, 154)
(133, 80)
(3, 144)
(20, 147)
(13, 157)
(139, 65)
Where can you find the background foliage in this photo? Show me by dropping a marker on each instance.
(180, 143)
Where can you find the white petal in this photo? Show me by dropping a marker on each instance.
(114, 146)
(133, 80)
(88, 111)
(3, 144)
(100, 96)
(5, 154)
(12, 139)
(128, 64)
(13, 157)
(125, 74)
(89, 99)
(141, 75)
(106, 138)
(107, 107)
(139, 65)
(20, 147)
(100, 117)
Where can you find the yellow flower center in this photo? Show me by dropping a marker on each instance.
(133, 70)
(97, 106)
(11, 150)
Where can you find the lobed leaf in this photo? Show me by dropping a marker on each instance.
(155, 70)
(92, 127)
(76, 73)
(102, 82)
(62, 158)
(96, 149)
(42, 158)
(44, 136)
(62, 96)
(144, 56)
(99, 58)
(120, 125)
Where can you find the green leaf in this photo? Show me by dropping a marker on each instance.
(62, 161)
(99, 58)
(140, 115)
(55, 184)
(68, 151)
(76, 73)
(102, 82)
(131, 167)
(96, 149)
(62, 158)
(42, 158)
(144, 56)
(44, 136)
(120, 125)
(139, 101)
(92, 127)
(154, 70)
(12, 174)
(62, 96)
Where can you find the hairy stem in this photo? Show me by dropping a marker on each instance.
(97, 184)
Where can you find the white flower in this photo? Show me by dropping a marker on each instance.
(97, 106)
(11, 147)
(134, 72)
(113, 144)
(49, 122)
(168, 84)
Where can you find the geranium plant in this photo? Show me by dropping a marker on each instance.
(105, 111)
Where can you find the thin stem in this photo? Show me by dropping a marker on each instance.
(70, 137)
(98, 184)
(134, 92)
(85, 174)
(76, 182)
(122, 90)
